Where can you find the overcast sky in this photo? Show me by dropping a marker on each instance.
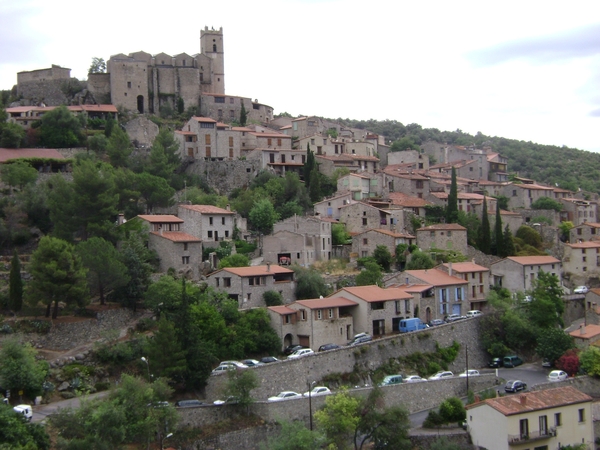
(519, 69)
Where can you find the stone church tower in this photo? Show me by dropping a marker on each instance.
(211, 45)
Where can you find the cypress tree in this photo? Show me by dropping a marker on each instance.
(498, 236)
(485, 240)
(243, 116)
(309, 165)
(508, 245)
(15, 284)
(452, 208)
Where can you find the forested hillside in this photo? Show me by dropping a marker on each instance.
(570, 168)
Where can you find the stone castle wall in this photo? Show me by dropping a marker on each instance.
(225, 176)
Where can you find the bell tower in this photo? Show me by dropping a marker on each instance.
(211, 45)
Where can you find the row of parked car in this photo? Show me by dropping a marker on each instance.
(442, 375)
(285, 395)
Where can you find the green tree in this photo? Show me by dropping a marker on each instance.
(508, 246)
(547, 203)
(103, 261)
(15, 290)
(404, 143)
(243, 115)
(589, 360)
(370, 275)
(235, 260)
(309, 283)
(240, 384)
(420, 260)
(166, 358)
(485, 239)
(17, 434)
(339, 419)
(498, 235)
(294, 436)
(452, 410)
(58, 275)
(565, 228)
(109, 127)
(20, 369)
(339, 235)
(546, 307)
(383, 257)
(529, 236)
(138, 260)
(452, 208)
(272, 298)
(98, 66)
(552, 343)
(309, 165)
(18, 174)
(119, 148)
(154, 190)
(59, 128)
(11, 135)
(98, 143)
(263, 215)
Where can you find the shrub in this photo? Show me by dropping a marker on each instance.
(102, 386)
(272, 298)
(146, 324)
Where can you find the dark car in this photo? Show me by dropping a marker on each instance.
(325, 347)
(496, 362)
(291, 349)
(268, 359)
(188, 403)
(436, 322)
(512, 361)
(515, 386)
(360, 338)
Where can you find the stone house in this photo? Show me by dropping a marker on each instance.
(306, 126)
(25, 116)
(247, 285)
(581, 261)
(279, 161)
(467, 202)
(443, 236)
(378, 310)
(413, 184)
(43, 159)
(549, 418)
(364, 244)
(441, 294)
(287, 247)
(316, 231)
(207, 222)
(360, 217)
(175, 248)
(588, 231)
(228, 108)
(407, 202)
(524, 194)
(205, 138)
(498, 168)
(478, 278)
(517, 273)
(578, 211)
(361, 185)
(312, 323)
(586, 335)
(354, 163)
(466, 168)
(414, 158)
(330, 207)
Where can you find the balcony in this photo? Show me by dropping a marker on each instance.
(517, 439)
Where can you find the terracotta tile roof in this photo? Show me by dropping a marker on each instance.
(346, 194)
(206, 209)
(373, 293)
(589, 224)
(533, 260)
(585, 244)
(92, 108)
(204, 119)
(282, 310)
(328, 302)
(536, 187)
(185, 133)
(176, 236)
(443, 226)
(242, 129)
(388, 233)
(435, 277)
(160, 218)
(6, 154)
(461, 196)
(508, 213)
(413, 287)
(400, 199)
(589, 331)
(465, 267)
(255, 271)
(535, 401)
(270, 135)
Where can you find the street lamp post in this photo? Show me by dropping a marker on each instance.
(310, 385)
(147, 365)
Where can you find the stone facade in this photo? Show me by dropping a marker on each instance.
(179, 251)
(579, 211)
(444, 237)
(581, 261)
(330, 207)
(142, 131)
(225, 176)
(44, 85)
(478, 278)
(517, 273)
(360, 217)
(523, 195)
(588, 231)
(227, 108)
(364, 244)
(287, 247)
(316, 232)
(208, 223)
(361, 186)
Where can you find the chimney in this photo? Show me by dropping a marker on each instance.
(450, 268)
(160, 230)
(523, 399)
(121, 219)
(268, 267)
(228, 207)
(582, 329)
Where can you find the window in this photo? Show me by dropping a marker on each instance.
(524, 428)
(185, 246)
(219, 99)
(279, 143)
(287, 318)
(364, 221)
(207, 125)
(231, 141)
(543, 425)
(330, 313)
(210, 234)
(210, 220)
(231, 100)
(449, 233)
(207, 152)
(581, 415)
(185, 259)
(557, 420)
(365, 241)
(231, 114)
(302, 314)
(319, 314)
(227, 282)
(217, 281)
(222, 220)
(375, 306)
(407, 306)
(269, 140)
(419, 184)
(129, 84)
(207, 139)
(398, 307)
(514, 193)
(226, 233)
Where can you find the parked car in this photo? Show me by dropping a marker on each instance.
(300, 353)
(436, 322)
(412, 324)
(474, 313)
(285, 395)
(455, 317)
(391, 380)
(360, 338)
(188, 403)
(470, 372)
(546, 363)
(221, 369)
(581, 290)
(25, 411)
(442, 375)
(414, 379)
(252, 362)
(496, 362)
(318, 390)
(512, 361)
(234, 363)
(514, 386)
(228, 401)
(325, 347)
(268, 359)
(291, 349)
(557, 375)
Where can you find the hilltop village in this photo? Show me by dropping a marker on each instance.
(386, 248)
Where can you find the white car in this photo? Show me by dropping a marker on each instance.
(557, 375)
(228, 365)
(285, 395)
(300, 353)
(319, 390)
(234, 363)
(581, 290)
(414, 379)
(228, 401)
(474, 313)
(470, 372)
(442, 375)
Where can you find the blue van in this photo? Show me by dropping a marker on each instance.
(414, 324)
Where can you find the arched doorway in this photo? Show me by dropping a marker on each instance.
(140, 104)
(287, 340)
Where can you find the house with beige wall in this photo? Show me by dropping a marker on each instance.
(360, 217)
(478, 279)
(209, 223)
(546, 419)
(330, 207)
(397, 179)
(588, 231)
(443, 236)
(361, 185)
(581, 261)
(364, 244)
(206, 139)
(354, 163)
(247, 285)
(517, 273)
(316, 231)
(522, 195)
(579, 211)
(287, 247)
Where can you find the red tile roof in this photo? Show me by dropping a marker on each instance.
(533, 260)
(585, 244)
(255, 271)
(436, 277)
(389, 233)
(413, 287)
(464, 267)
(204, 119)
(373, 293)
(282, 310)
(160, 218)
(329, 302)
(206, 209)
(270, 135)
(400, 199)
(176, 236)
(6, 154)
(536, 187)
(535, 401)
(443, 226)
(589, 331)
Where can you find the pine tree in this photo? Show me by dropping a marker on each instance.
(508, 245)
(452, 208)
(484, 231)
(243, 116)
(15, 284)
(498, 236)
(308, 166)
